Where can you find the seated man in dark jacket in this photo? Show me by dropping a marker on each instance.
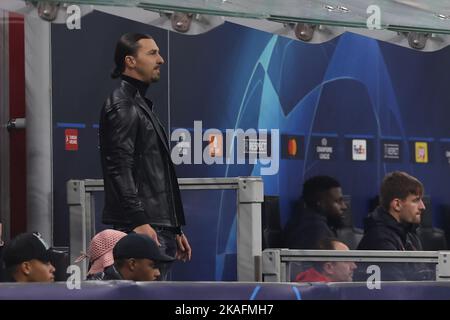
(323, 212)
(392, 226)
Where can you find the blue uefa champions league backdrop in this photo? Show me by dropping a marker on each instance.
(353, 108)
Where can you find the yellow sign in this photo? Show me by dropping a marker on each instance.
(421, 152)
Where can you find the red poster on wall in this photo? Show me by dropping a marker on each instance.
(71, 139)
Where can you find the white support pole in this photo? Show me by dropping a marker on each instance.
(80, 221)
(39, 126)
(250, 198)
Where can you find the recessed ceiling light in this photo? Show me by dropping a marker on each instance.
(442, 16)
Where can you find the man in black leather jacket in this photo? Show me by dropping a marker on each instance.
(141, 188)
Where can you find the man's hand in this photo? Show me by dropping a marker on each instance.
(184, 251)
(149, 231)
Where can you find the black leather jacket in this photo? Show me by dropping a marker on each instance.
(139, 177)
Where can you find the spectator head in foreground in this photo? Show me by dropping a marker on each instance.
(137, 257)
(27, 259)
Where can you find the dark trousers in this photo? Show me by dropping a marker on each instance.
(167, 238)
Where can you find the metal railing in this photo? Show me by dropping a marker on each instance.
(250, 195)
(276, 263)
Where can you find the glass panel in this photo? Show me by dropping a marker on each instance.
(213, 212)
(211, 229)
(401, 15)
(322, 271)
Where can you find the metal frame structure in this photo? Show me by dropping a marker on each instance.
(250, 195)
(276, 262)
(39, 150)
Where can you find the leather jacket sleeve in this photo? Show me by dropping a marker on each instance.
(122, 125)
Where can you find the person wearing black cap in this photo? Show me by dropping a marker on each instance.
(138, 258)
(27, 259)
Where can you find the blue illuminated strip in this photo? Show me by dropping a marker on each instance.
(297, 293)
(359, 136)
(255, 292)
(328, 135)
(70, 125)
(286, 133)
(421, 139)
